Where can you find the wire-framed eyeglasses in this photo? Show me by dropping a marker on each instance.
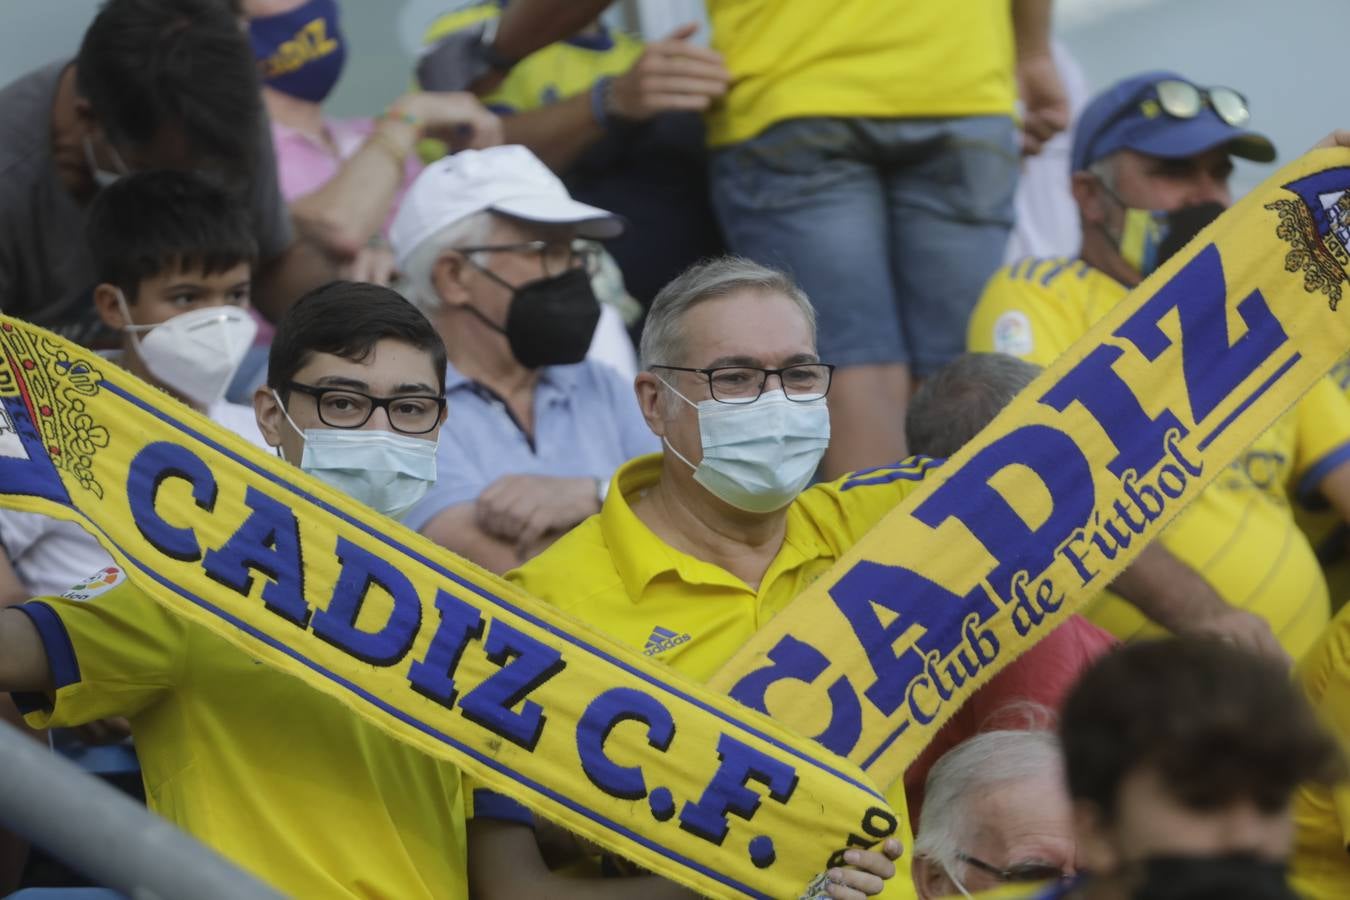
(1019, 873)
(341, 407)
(803, 382)
(555, 257)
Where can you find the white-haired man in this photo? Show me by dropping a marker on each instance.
(487, 241)
(996, 812)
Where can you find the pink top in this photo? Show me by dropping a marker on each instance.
(304, 165)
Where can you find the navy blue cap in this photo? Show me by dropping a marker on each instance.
(1114, 120)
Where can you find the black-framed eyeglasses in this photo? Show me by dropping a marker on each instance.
(555, 257)
(803, 382)
(1019, 873)
(341, 407)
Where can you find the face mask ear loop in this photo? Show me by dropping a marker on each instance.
(128, 326)
(956, 882)
(289, 421)
(669, 446)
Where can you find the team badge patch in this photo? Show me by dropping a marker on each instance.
(1012, 333)
(1317, 225)
(103, 580)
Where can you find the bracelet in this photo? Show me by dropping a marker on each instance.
(602, 101)
(396, 113)
(396, 153)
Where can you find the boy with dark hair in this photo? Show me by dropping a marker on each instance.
(1182, 757)
(157, 84)
(173, 257)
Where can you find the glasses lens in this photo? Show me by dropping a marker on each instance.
(1179, 99)
(736, 385)
(806, 382)
(414, 415)
(342, 410)
(1230, 105)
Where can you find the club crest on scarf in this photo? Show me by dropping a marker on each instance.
(1317, 224)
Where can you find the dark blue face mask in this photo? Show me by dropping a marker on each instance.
(301, 52)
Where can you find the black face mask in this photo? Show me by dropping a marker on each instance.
(1184, 224)
(550, 321)
(1232, 877)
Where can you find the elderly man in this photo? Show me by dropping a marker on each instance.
(487, 242)
(1182, 756)
(997, 813)
(696, 548)
(1151, 162)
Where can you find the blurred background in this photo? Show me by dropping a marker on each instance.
(1210, 41)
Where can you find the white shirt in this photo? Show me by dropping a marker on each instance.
(49, 555)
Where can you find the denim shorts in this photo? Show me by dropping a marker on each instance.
(891, 226)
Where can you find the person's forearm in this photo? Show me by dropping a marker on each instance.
(456, 530)
(1168, 591)
(284, 279)
(558, 133)
(23, 658)
(1031, 27)
(344, 212)
(527, 25)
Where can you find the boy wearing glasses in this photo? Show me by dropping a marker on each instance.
(1151, 163)
(486, 241)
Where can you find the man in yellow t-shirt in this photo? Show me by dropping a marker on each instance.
(871, 150)
(1151, 162)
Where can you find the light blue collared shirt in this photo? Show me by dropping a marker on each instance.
(586, 424)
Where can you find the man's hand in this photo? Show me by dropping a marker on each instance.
(373, 264)
(672, 74)
(1244, 629)
(455, 117)
(524, 508)
(869, 873)
(1045, 104)
(1338, 138)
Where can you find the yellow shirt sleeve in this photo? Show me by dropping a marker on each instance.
(113, 654)
(1037, 308)
(843, 510)
(1323, 438)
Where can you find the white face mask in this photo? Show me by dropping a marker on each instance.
(195, 353)
(759, 456)
(103, 177)
(386, 471)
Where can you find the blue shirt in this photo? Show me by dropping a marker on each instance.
(586, 424)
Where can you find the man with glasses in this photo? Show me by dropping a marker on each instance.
(1152, 156)
(488, 244)
(996, 813)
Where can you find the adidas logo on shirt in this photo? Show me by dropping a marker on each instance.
(662, 639)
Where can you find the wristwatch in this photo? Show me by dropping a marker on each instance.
(462, 57)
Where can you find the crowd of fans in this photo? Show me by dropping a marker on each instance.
(618, 320)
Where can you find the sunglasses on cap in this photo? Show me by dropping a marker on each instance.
(1183, 100)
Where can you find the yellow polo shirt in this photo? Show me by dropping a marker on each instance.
(791, 59)
(1320, 867)
(614, 573)
(1240, 533)
(281, 779)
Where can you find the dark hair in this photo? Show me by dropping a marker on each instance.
(152, 222)
(149, 64)
(347, 319)
(954, 403)
(1218, 724)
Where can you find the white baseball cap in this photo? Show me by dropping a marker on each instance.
(508, 179)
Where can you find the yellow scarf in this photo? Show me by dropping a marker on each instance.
(1051, 501)
(1035, 515)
